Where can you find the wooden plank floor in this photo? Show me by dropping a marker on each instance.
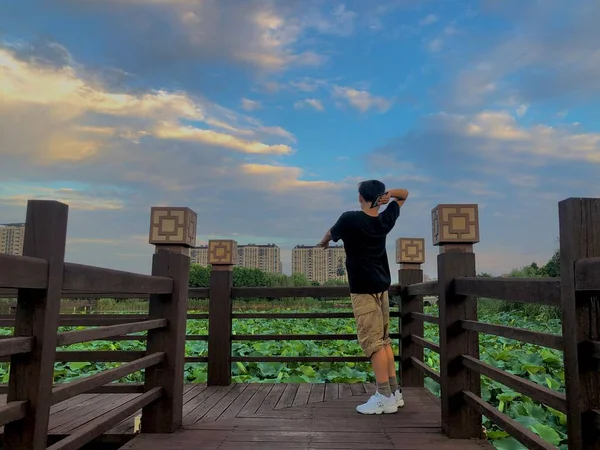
(266, 416)
(303, 416)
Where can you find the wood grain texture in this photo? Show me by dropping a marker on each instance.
(411, 376)
(73, 337)
(543, 291)
(23, 272)
(73, 388)
(587, 274)
(220, 326)
(79, 277)
(165, 415)
(31, 374)
(458, 419)
(537, 392)
(519, 334)
(514, 428)
(579, 223)
(420, 288)
(313, 417)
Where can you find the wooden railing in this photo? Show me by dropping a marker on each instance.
(576, 292)
(41, 277)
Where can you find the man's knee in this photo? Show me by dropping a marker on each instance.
(370, 348)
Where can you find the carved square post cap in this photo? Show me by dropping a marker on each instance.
(222, 252)
(410, 250)
(172, 226)
(455, 224)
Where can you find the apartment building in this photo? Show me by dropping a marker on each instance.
(199, 255)
(11, 238)
(320, 264)
(264, 257)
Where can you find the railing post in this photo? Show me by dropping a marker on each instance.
(222, 256)
(173, 232)
(32, 374)
(579, 221)
(410, 254)
(455, 230)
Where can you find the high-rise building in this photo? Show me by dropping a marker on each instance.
(11, 238)
(199, 255)
(264, 257)
(320, 264)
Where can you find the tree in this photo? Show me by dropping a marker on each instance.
(552, 267)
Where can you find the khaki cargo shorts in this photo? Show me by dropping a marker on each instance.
(372, 314)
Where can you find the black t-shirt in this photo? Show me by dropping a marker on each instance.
(364, 239)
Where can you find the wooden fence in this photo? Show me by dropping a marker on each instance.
(576, 292)
(42, 278)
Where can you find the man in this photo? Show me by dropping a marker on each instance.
(364, 235)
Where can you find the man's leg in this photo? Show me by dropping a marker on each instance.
(368, 312)
(380, 363)
(391, 370)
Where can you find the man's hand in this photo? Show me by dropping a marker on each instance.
(323, 244)
(384, 199)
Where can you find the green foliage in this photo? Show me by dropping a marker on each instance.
(199, 276)
(248, 277)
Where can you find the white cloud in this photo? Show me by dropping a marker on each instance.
(250, 105)
(268, 35)
(69, 101)
(522, 110)
(435, 45)
(533, 62)
(312, 102)
(361, 99)
(429, 19)
(167, 130)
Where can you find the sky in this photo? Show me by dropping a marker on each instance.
(263, 115)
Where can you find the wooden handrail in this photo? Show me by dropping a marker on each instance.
(79, 277)
(537, 392)
(74, 388)
(519, 334)
(425, 343)
(23, 272)
(514, 428)
(426, 370)
(425, 318)
(543, 291)
(16, 345)
(12, 411)
(426, 288)
(107, 421)
(73, 337)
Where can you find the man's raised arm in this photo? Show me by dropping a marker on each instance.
(325, 241)
(399, 195)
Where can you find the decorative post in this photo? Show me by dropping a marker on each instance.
(410, 254)
(222, 256)
(32, 374)
(579, 222)
(455, 229)
(173, 232)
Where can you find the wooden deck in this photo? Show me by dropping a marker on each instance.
(265, 416)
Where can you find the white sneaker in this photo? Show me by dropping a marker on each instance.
(378, 404)
(399, 398)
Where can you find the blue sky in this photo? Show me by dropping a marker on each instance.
(262, 116)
